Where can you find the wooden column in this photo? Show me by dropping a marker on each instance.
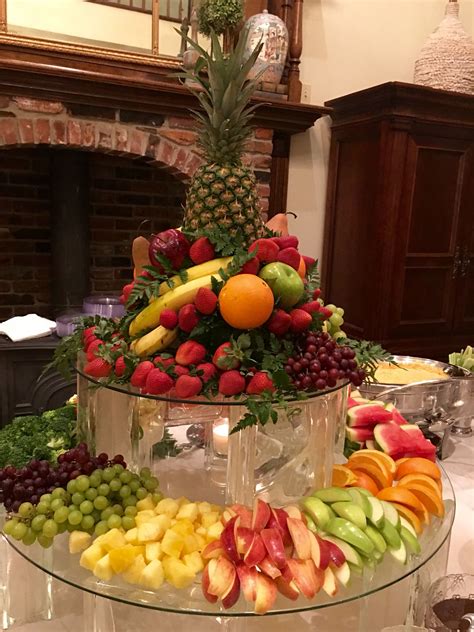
(296, 49)
(280, 173)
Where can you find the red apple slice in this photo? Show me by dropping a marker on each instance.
(221, 576)
(294, 512)
(265, 595)
(287, 588)
(278, 521)
(248, 581)
(232, 595)
(261, 515)
(213, 550)
(274, 545)
(343, 574)
(337, 556)
(300, 535)
(306, 576)
(329, 583)
(227, 515)
(269, 568)
(244, 513)
(228, 539)
(256, 552)
(205, 585)
(319, 552)
(244, 539)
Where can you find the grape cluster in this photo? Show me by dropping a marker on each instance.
(318, 362)
(104, 500)
(29, 483)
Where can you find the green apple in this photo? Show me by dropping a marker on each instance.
(399, 553)
(351, 512)
(317, 511)
(410, 540)
(284, 281)
(390, 535)
(404, 523)
(376, 515)
(377, 539)
(351, 555)
(312, 526)
(347, 531)
(391, 514)
(332, 495)
(360, 499)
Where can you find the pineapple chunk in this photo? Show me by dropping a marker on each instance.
(103, 569)
(172, 543)
(177, 573)
(112, 540)
(153, 551)
(133, 573)
(163, 521)
(217, 508)
(204, 508)
(189, 511)
(201, 531)
(183, 527)
(194, 562)
(146, 504)
(144, 516)
(201, 540)
(91, 556)
(191, 544)
(153, 575)
(214, 531)
(131, 536)
(79, 541)
(122, 558)
(209, 518)
(182, 501)
(149, 532)
(167, 506)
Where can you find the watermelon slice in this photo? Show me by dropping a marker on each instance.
(353, 402)
(398, 442)
(368, 415)
(359, 434)
(371, 445)
(398, 418)
(413, 430)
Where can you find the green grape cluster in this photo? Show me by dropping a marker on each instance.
(335, 322)
(106, 499)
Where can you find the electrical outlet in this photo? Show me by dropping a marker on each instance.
(306, 93)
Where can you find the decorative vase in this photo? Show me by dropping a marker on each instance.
(272, 32)
(447, 59)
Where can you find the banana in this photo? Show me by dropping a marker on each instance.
(196, 272)
(157, 340)
(175, 299)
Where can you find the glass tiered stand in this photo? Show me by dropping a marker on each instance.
(189, 448)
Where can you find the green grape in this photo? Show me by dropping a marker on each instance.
(128, 522)
(114, 522)
(19, 531)
(57, 503)
(332, 308)
(141, 493)
(44, 541)
(151, 484)
(62, 527)
(91, 493)
(117, 468)
(59, 492)
(95, 479)
(125, 491)
(115, 485)
(82, 483)
(86, 507)
(46, 498)
(336, 320)
(103, 490)
(71, 487)
(26, 510)
(105, 515)
(71, 507)
(126, 476)
(70, 527)
(87, 523)
(42, 507)
(131, 501)
(340, 311)
(107, 475)
(101, 503)
(29, 537)
(75, 517)
(145, 472)
(38, 522)
(50, 529)
(9, 526)
(101, 527)
(156, 497)
(77, 499)
(118, 509)
(134, 485)
(131, 511)
(96, 515)
(61, 515)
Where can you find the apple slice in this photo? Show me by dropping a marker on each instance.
(256, 551)
(244, 513)
(227, 515)
(261, 515)
(268, 567)
(274, 544)
(278, 521)
(306, 576)
(266, 594)
(343, 574)
(287, 588)
(205, 581)
(329, 583)
(244, 539)
(213, 550)
(228, 539)
(232, 595)
(248, 581)
(301, 538)
(294, 512)
(376, 512)
(221, 576)
(336, 554)
(349, 551)
(320, 552)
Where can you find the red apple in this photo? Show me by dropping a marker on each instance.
(306, 576)
(248, 581)
(221, 576)
(278, 521)
(268, 567)
(266, 594)
(205, 586)
(319, 552)
(343, 574)
(287, 588)
(337, 556)
(261, 515)
(213, 550)
(227, 515)
(329, 583)
(256, 552)
(171, 244)
(295, 512)
(300, 535)
(244, 514)
(228, 539)
(274, 544)
(232, 595)
(244, 539)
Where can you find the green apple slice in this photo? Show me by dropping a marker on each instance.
(352, 512)
(377, 555)
(363, 491)
(377, 516)
(391, 514)
(347, 531)
(404, 523)
(360, 499)
(410, 540)
(310, 522)
(377, 539)
(316, 510)
(355, 570)
(343, 574)
(399, 553)
(332, 495)
(390, 535)
(351, 555)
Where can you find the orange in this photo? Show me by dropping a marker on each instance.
(418, 465)
(420, 479)
(401, 495)
(364, 480)
(246, 301)
(400, 461)
(410, 516)
(428, 498)
(342, 476)
(381, 477)
(302, 268)
(380, 457)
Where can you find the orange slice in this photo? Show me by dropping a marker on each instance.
(420, 479)
(400, 461)
(410, 516)
(342, 476)
(428, 498)
(380, 457)
(423, 515)
(418, 465)
(365, 481)
(403, 496)
(381, 477)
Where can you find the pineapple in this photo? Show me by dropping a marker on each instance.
(223, 192)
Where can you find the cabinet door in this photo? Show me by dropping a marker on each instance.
(428, 226)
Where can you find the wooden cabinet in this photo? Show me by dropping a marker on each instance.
(399, 233)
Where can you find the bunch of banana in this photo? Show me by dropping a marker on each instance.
(157, 340)
(196, 272)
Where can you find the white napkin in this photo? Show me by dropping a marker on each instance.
(27, 327)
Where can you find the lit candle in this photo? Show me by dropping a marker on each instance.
(220, 437)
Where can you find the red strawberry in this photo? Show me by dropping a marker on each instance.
(98, 367)
(313, 306)
(223, 360)
(202, 250)
(169, 318)
(190, 352)
(93, 348)
(251, 267)
(287, 241)
(231, 383)
(180, 370)
(205, 301)
(89, 331)
(120, 367)
(139, 376)
(300, 320)
(290, 256)
(325, 312)
(309, 261)
(158, 382)
(163, 363)
(187, 386)
(208, 371)
(188, 318)
(267, 250)
(127, 290)
(122, 299)
(259, 383)
(279, 322)
(88, 341)
(317, 293)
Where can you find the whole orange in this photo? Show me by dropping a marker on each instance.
(246, 301)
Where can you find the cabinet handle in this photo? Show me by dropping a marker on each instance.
(465, 262)
(458, 262)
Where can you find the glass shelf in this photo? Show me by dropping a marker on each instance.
(58, 563)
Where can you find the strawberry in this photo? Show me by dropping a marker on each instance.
(93, 348)
(327, 313)
(88, 341)
(169, 318)
(119, 368)
(287, 241)
(231, 383)
(205, 301)
(223, 360)
(300, 320)
(317, 293)
(122, 299)
(208, 371)
(267, 250)
(98, 367)
(158, 382)
(309, 261)
(190, 352)
(139, 376)
(187, 386)
(180, 370)
(313, 306)
(163, 363)
(290, 256)
(188, 318)
(251, 267)
(202, 250)
(127, 290)
(259, 383)
(279, 322)
(89, 331)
